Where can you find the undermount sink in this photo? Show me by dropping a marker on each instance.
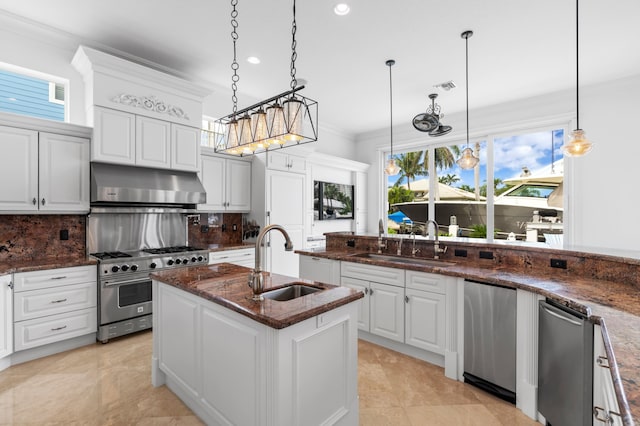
(290, 292)
(404, 260)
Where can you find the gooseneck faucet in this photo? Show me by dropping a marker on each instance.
(256, 278)
(381, 244)
(436, 245)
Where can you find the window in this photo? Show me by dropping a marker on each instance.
(211, 130)
(33, 94)
(523, 201)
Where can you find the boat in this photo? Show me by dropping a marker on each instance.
(534, 201)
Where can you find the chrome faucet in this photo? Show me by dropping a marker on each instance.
(436, 245)
(414, 250)
(256, 277)
(381, 244)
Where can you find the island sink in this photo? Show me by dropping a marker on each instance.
(404, 260)
(290, 292)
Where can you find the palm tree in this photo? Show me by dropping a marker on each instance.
(444, 157)
(449, 179)
(410, 166)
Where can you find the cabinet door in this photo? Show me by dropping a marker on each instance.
(18, 169)
(212, 175)
(286, 162)
(319, 269)
(387, 311)
(238, 186)
(114, 136)
(6, 316)
(185, 147)
(64, 173)
(297, 164)
(153, 142)
(364, 307)
(425, 320)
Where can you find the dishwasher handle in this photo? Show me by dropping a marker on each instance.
(562, 317)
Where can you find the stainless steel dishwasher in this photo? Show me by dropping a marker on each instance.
(490, 338)
(565, 366)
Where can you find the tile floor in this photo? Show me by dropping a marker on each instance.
(110, 385)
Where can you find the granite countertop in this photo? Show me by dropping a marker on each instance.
(27, 265)
(609, 304)
(226, 285)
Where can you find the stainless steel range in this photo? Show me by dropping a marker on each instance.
(124, 293)
(138, 225)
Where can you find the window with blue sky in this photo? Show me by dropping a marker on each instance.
(32, 96)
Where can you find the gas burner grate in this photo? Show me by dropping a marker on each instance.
(175, 249)
(104, 255)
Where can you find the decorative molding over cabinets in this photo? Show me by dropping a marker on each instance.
(150, 103)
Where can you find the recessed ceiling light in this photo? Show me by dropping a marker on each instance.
(341, 9)
(253, 60)
(446, 86)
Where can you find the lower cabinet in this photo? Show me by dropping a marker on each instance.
(320, 269)
(6, 316)
(230, 369)
(425, 320)
(605, 403)
(243, 257)
(53, 305)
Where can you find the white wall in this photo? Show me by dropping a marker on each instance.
(601, 187)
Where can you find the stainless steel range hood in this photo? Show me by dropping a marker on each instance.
(114, 185)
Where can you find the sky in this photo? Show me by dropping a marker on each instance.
(533, 150)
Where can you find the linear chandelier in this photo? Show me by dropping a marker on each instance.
(281, 121)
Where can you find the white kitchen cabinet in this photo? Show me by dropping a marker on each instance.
(605, 403)
(125, 138)
(230, 369)
(425, 314)
(227, 183)
(114, 136)
(320, 269)
(243, 257)
(6, 317)
(153, 142)
(286, 162)
(43, 171)
(54, 305)
(364, 307)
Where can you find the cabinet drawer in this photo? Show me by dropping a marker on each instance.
(54, 328)
(378, 274)
(49, 278)
(50, 301)
(243, 257)
(426, 282)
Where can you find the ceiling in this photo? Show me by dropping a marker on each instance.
(520, 48)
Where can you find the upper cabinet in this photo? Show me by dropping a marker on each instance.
(228, 184)
(43, 172)
(141, 116)
(125, 138)
(286, 162)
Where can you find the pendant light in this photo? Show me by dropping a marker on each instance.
(392, 168)
(579, 144)
(467, 160)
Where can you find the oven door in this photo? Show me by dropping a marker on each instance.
(125, 298)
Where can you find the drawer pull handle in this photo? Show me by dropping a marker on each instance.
(59, 278)
(59, 328)
(603, 361)
(59, 301)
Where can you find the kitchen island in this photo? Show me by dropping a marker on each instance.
(234, 360)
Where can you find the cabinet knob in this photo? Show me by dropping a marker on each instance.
(370, 292)
(34, 201)
(406, 299)
(10, 284)
(43, 201)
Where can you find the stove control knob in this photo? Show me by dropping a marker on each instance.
(194, 259)
(178, 261)
(170, 262)
(115, 268)
(185, 261)
(200, 258)
(125, 268)
(153, 265)
(134, 267)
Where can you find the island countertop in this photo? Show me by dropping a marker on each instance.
(226, 285)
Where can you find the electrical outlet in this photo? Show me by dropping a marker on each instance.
(351, 243)
(234, 227)
(486, 255)
(559, 263)
(460, 253)
(223, 227)
(64, 234)
(204, 228)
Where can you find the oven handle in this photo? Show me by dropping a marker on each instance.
(133, 281)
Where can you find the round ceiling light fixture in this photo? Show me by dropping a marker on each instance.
(253, 60)
(341, 9)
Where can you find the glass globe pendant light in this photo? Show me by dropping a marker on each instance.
(579, 144)
(392, 168)
(467, 160)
